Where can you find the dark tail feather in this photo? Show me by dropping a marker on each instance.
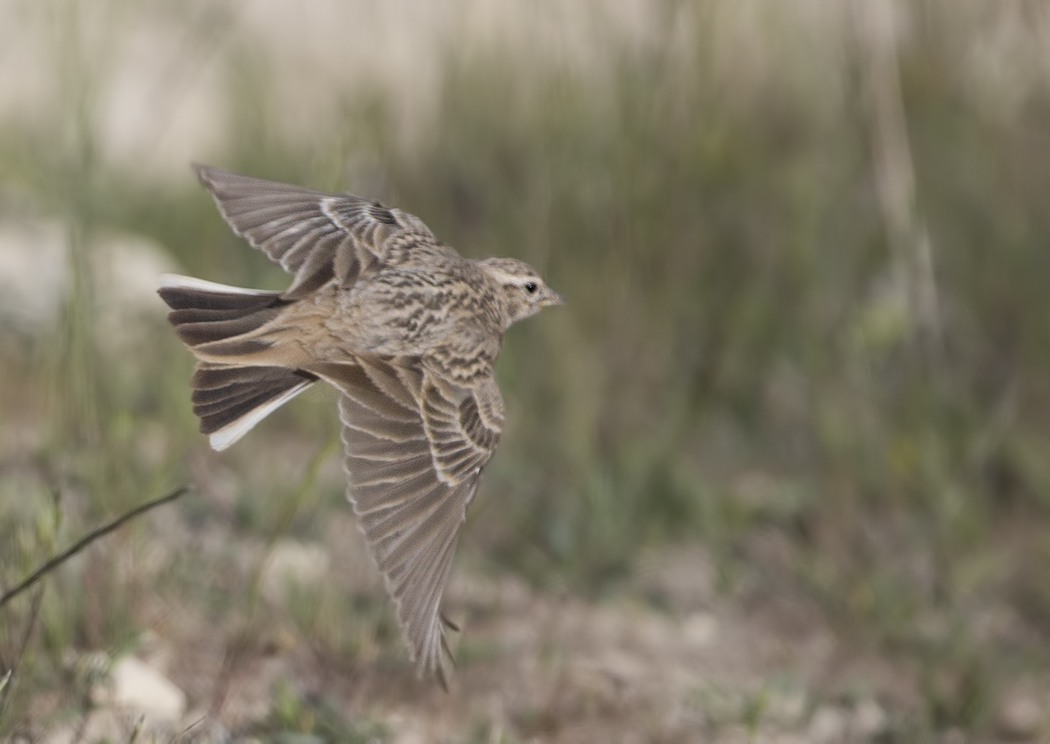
(230, 400)
(217, 315)
(216, 321)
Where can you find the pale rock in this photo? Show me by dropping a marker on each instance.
(140, 689)
(1020, 716)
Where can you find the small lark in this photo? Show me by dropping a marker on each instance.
(403, 326)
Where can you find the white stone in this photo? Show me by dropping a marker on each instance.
(140, 689)
(1020, 716)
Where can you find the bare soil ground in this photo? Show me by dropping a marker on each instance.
(665, 659)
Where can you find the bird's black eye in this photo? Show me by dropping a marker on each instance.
(530, 287)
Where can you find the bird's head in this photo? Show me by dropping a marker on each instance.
(521, 289)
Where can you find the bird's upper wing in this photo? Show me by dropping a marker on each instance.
(315, 235)
(415, 447)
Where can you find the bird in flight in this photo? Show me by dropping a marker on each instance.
(404, 327)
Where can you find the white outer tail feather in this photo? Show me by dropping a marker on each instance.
(227, 435)
(202, 285)
(233, 431)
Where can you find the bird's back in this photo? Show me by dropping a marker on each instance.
(425, 301)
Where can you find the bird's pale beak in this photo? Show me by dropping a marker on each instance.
(552, 298)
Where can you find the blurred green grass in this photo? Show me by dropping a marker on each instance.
(728, 367)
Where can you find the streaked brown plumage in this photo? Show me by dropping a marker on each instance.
(403, 326)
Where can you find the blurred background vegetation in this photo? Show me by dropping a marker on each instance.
(804, 247)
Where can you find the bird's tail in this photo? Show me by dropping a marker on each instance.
(234, 387)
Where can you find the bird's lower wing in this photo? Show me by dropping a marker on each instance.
(408, 508)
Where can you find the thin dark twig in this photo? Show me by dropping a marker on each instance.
(102, 531)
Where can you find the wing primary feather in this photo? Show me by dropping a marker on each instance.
(412, 470)
(290, 224)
